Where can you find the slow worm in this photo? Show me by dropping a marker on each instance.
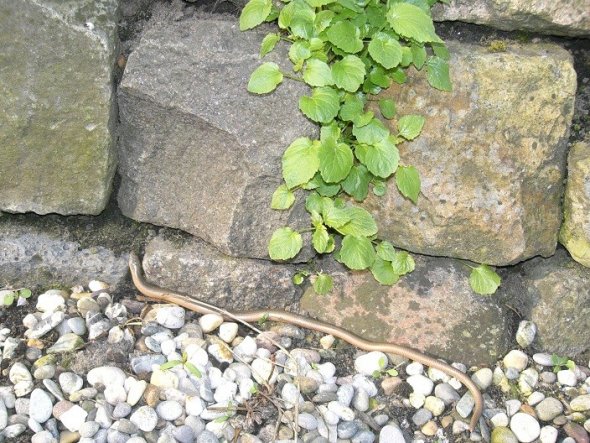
(160, 294)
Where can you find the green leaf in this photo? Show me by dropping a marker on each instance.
(392, 372)
(407, 180)
(483, 280)
(353, 107)
(221, 419)
(336, 217)
(170, 364)
(317, 73)
(313, 202)
(440, 50)
(385, 50)
(265, 78)
(282, 198)
(302, 21)
(406, 57)
(193, 369)
(371, 133)
(383, 272)
(357, 183)
(437, 74)
(323, 284)
(328, 190)
(318, 3)
(386, 251)
(329, 132)
(349, 73)
(363, 119)
(254, 13)
(357, 252)
(361, 223)
(345, 36)
(387, 108)
(268, 43)
(418, 56)
(286, 15)
(7, 297)
(284, 244)
(410, 126)
(320, 239)
(335, 161)
(399, 76)
(412, 22)
(322, 106)
(378, 76)
(24, 293)
(403, 263)
(379, 189)
(300, 162)
(323, 20)
(298, 279)
(298, 53)
(381, 159)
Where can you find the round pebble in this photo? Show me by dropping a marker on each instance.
(483, 378)
(548, 409)
(516, 359)
(567, 377)
(145, 418)
(210, 322)
(421, 384)
(40, 406)
(391, 434)
(525, 335)
(525, 427)
(370, 363)
(169, 410)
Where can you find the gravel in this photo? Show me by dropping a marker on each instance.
(179, 377)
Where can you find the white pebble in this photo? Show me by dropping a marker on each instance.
(228, 331)
(135, 389)
(115, 394)
(106, 375)
(226, 392)
(526, 333)
(421, 384)
(96, 285)
(483, 378)
(246, 349)
(327, 341)
(516, 359)
(437, 375)
(500, 419)
(51, 301)
(542, 359)
(73, 418)
(417, 400)
(264, 371)
(344, 412)
(434, 405)
(548, 434)
(525, 427)
(171, 317)
(194, 405)
(369, 363)
(567, 377)
(145, 418)
(512, 407)
(391, 434)
(40, 406)
(169, 410)
(210, 322)
(535, 398)
(415, 368)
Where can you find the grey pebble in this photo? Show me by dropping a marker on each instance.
(114, 436)
(14, 431)
(548, 409)
(44, 372)
(53, 388)
(207, 437)
(184, 434)
(347, 429)
(307, 421)
(77, 325)
(88, 429)
(361, 400)
(195, 423)
(3, 415)
(363, 437)
(122, 410)
(465, 405)
(345, 394)
(511, 373)
(145, 418)
(421, 417)
(70, 382)
(446, 393)
(548, 377)
(542, 359)
(124, 426)
(143, 364)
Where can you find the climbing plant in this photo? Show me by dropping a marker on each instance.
(347, 51)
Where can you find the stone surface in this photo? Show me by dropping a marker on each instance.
(31, 255)
(58, 112)
(567, 17)
(554, 293)
(191, 266)
(432, 309)
(189, 126)
(491, 156)
(575, 230)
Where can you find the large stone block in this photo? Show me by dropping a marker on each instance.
(433, 309)
(198, 152)
(191, 266)
(554, 293)
(38, 258)
(565, 17)
(575, 230)
(491, 156)
(57, 111)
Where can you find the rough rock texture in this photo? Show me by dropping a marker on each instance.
(491, 156)
(57, 111)
(575, 230)
(191, 266)
(31, 256)
(198, 152)
(432, 309)
(554, 293)
(566, 17)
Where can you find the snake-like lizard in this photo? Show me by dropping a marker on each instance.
(160, 294)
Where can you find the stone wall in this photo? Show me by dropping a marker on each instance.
(198, 159)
